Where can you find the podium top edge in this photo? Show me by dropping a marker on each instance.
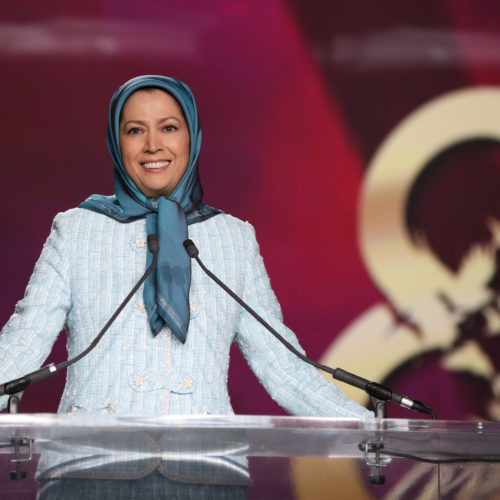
(244, 421)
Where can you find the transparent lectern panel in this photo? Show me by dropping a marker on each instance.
(249, 457)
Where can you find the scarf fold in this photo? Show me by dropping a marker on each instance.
(166, 291)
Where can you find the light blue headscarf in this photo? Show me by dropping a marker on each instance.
(166, 291)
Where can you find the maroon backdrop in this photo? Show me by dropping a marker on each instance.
(295, 97)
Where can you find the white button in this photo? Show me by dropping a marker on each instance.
(187, 382)
(192, 308)
(141, 306)
(139, 380)
(140, 242)
(73, 409)
(112, 408)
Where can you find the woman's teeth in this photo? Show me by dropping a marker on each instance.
(156, 164)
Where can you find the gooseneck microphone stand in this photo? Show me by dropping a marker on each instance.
(16, 387)
(377, 392)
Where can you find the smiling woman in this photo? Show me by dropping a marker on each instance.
(169, 353)
(154, 141)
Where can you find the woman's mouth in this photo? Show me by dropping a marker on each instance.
(156, 165)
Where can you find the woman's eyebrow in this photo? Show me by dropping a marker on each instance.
(160, 120)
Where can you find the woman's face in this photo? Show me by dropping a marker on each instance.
(154, 140)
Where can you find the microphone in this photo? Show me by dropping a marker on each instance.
(20, 384)
(373, 389)
(381, 392)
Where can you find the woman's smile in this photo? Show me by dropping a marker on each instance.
(156, 166)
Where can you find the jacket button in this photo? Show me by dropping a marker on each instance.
(112, 408)
(187, 383)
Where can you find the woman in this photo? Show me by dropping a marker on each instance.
(168, 351)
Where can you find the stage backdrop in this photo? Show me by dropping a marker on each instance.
(360, 139)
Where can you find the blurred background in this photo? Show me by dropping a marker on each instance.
(361, 139)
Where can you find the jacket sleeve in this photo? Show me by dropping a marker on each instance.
(28, 336)
(296, 386)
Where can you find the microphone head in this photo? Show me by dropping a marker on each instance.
(153, 245)
(191, 249)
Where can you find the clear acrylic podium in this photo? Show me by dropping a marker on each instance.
(284, 457)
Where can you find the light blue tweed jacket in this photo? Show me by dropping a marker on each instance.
(89, 264)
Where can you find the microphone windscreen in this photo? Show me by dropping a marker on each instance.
(191, 248)
(153, 243)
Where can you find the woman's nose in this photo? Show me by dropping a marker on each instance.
(153, 143)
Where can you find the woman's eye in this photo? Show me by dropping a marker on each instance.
(169, 128)
(134, 130)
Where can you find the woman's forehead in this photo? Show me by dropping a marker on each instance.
(151, 97)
